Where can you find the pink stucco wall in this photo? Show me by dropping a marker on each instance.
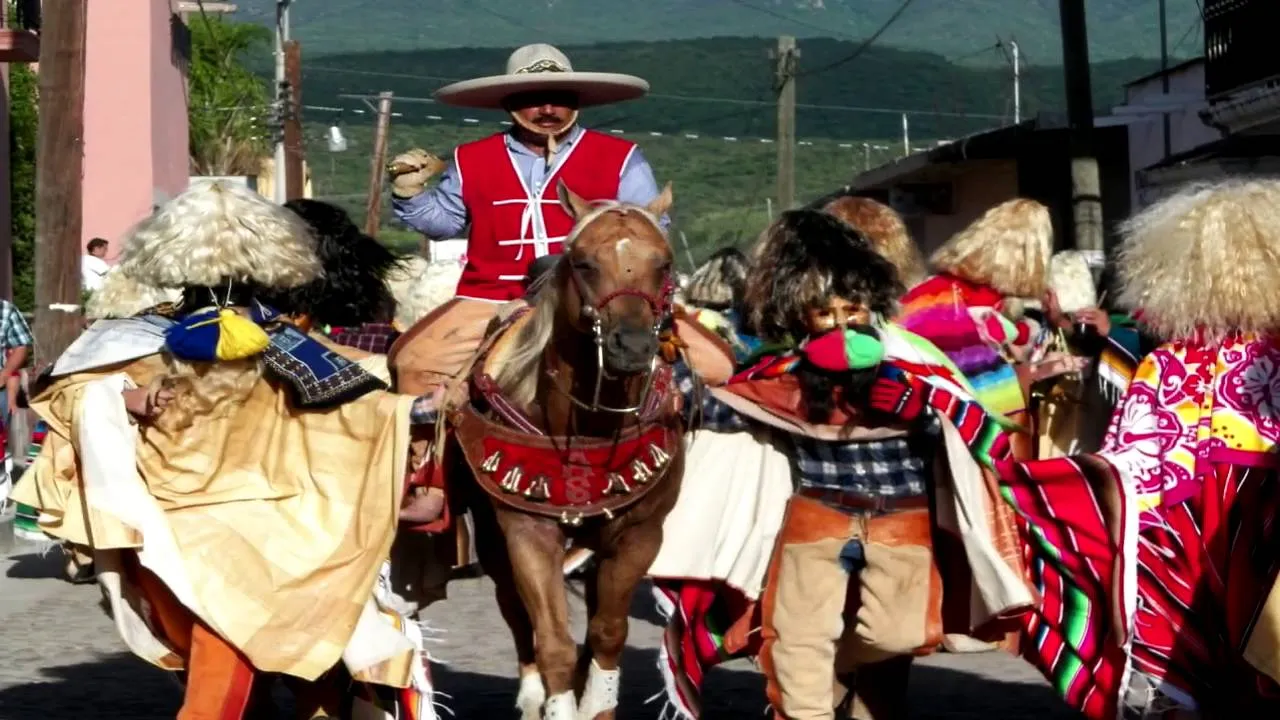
(135, 136)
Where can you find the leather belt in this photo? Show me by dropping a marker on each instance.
(849, 500)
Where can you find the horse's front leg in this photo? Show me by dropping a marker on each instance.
(492, 550)
(535, 547)
(618, 572)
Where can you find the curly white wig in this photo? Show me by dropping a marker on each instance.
(215, 232)
(1072, 281)
(122, 296)
(420, 286)
(1206, 260)
(1007, 248)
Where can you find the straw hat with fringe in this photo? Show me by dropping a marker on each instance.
(1007, 249)
(218, 232)
(1206, 260)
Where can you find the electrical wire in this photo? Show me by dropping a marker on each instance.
(866, 44)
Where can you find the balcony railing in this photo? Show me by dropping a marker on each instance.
(1239, 45)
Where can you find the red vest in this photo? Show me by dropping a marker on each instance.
(511, 224)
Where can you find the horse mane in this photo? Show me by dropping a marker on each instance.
(516, 371)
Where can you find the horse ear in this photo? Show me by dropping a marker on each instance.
(571, 202)
(661, 204)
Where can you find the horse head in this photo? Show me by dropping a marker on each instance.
(616, 279)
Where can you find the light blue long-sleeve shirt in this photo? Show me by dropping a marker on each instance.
(439, 213)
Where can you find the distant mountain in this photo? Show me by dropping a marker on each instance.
(724, 86)
(1117, 28)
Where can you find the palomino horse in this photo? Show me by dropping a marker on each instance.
(572, 432)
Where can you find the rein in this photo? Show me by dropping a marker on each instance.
(659, 306)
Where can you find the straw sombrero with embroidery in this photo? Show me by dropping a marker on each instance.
(542, 67)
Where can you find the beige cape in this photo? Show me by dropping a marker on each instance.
(270, 525)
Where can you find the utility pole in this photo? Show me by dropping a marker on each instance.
(378, 166)
(1017, 81)
(295, 152)
(785, 84)
(59, 177)
(1086, 190)
(1164, 76)
(906, 136)
(280, 181)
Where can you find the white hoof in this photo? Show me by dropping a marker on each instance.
(561, 707)
(601, 693)
(531, 696)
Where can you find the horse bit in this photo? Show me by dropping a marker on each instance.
(660, 306)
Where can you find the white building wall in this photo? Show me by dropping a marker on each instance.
(1146, 133)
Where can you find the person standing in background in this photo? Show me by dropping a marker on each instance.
(93, 265)
(16, 344)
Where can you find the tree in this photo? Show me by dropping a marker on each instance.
(23, 120)
(226, 101)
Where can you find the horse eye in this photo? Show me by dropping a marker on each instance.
(583, 265)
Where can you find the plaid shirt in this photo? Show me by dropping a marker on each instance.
(370, 337)
(14, 332)
(889, 468)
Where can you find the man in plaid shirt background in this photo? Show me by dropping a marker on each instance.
(15, 336)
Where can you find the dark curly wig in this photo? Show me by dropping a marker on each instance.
(353, 290)
(806, 256)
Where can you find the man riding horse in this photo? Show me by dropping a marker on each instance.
(504, 187)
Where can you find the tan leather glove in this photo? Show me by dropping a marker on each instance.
(410, 171)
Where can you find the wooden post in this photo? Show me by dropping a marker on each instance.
(1086, 186)
(378, 166)
(59, 177)
(785, 83)
(294, 150)
(6, 199)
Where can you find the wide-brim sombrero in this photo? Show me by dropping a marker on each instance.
(542, 68)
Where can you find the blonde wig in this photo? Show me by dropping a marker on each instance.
(884, 229)
(1206, 260)
(1008, 249)
(1072, 281)
(122, 296)
(206, 390)
(216, 232)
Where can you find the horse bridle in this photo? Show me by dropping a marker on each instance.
(659, 305)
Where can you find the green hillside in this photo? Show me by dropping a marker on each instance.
(720, 187)
(1117, 28)
(724, 86)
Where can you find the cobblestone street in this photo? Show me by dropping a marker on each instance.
(61, 658)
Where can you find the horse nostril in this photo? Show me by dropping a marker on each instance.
(631, 342)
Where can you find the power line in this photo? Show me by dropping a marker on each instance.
(781, 16)
(701, 99)
(865, 43)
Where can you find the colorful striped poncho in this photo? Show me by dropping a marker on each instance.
(710, 622)
(26, 518)
(1155, 556)
(942, 310)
